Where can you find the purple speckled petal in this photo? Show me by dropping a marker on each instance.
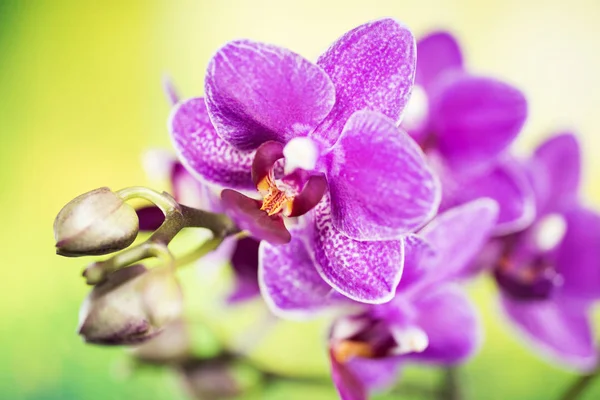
(257, 92)
(375, 374)
(203, 152)
(578, 257)
(372, 67)
(244, 261)
(347, 383)
(451, 323)
(558, 329)
(475, 119)
(248, 216)
(457, 236)
(556, 172)
(289, 281)
(367, 272)
(381, 186)
(506, 182)
(438, 53)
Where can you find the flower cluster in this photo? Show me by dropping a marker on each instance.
(367, 185)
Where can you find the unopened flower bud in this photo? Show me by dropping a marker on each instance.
(133, 305)
(173, 345)
(97, 222)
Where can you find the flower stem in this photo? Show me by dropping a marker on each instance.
(451, 386)
(579, 385)
(177, 217)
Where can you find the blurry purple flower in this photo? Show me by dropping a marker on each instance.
(549, 274)
(466, 123)
(274, 121)
(428, 320)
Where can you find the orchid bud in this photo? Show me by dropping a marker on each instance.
(173, 345)
(133, 305)
(95, 223)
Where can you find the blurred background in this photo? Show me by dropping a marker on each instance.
(81, 99)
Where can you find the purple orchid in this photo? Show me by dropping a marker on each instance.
(427, 320)
(466, 123)
(549, 274)
(293, 129)
(186, 189)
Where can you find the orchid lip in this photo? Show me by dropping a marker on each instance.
(294, 194)
(537, 281)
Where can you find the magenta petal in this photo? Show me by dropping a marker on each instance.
(367, 272)
(506, 182)
(150, 218)
(289, 281)
(257, 92)
(416, 253)
(438, 52)
(578, 257)
(556, 172)
(451, 323)
(311, 194)
(457, 236)
(203, 152)
(476, 118)
(347, 383)
(249, 217)
(372, 67)
(381, 186)
(557, 329)
(375, 374)
(244, 262)
(266, 156)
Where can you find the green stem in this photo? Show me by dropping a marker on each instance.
(451, 387)
(579, 385)
(177, 217)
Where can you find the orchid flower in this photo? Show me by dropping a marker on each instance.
(292, 129)
(428, 319)
(549, 274)
(466, 123)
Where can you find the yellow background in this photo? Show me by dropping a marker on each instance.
(81, 98)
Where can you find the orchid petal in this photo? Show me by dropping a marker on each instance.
(451, 323)
(203, 152)
(347, 383)
(257, 92)
(457, 236)
(578, 257)
(244, 262)
(475, 119)
(438, 52)
(367, 272)
(556, 172)
(375, 374)
(372, 67)
(248, 216)
(506, 182)
(289, 281)
(150, 218)
(311, 194)
(381, 186)
(557, 328)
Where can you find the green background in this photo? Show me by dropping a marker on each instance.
(81, 99)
